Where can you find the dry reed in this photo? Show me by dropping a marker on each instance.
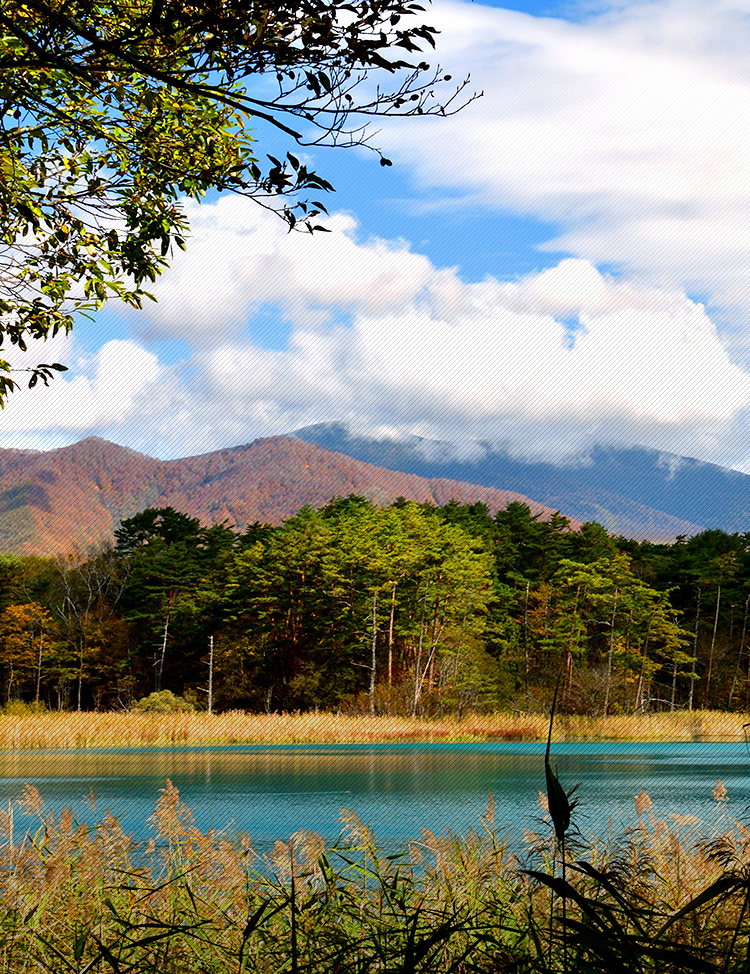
(85, 899)
(119, 729)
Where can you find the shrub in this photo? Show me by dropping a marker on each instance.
(164, 702)
(19, 708)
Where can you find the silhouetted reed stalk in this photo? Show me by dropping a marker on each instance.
(560, 808)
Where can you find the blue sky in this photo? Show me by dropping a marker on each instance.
(564, 263)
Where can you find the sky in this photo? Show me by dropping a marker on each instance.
(565, 263)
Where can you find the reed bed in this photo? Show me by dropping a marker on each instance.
(121, 729)
(79, 898)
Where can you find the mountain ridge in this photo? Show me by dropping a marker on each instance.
(73, 496)
(637, 492)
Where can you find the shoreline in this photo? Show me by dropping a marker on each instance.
(110, 731)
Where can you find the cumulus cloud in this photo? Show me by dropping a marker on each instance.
(629, 131)
(103, 390)
(490, 360)
(546, 366)
(241, 258)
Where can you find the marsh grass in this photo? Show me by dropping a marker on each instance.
(669, 895)
(116, 730)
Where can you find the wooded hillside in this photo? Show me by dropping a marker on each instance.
(54, 501)
(408, 608)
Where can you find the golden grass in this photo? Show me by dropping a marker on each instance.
(78, 898)
(117, 730)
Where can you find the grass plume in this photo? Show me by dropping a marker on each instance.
(85, 899)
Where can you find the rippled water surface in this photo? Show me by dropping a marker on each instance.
(272, 792)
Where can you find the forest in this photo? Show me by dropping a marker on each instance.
(407, 609)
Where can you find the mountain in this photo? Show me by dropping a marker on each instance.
(636, 492)
(55, 500)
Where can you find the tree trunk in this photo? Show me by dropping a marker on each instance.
(707, 692)
(417, 665)
(211, 674)
(627, 655)
(740, 653)
(427, 671)
(747, 680)
(568, 681)
(374, 652)
(80, 672)
(732, 606)
(459, 647)
(642, 674)
(695, 652)
(526, 646)
(547, 610)
(390, 636)
(611, 655)
(160, 667)
(39, 666)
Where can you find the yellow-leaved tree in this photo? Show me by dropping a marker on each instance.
(27, 639)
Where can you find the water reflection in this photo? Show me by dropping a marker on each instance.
(272, 792)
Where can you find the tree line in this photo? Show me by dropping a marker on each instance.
(410, 608)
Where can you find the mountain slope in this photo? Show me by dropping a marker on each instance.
(637, 492)
(52, 501)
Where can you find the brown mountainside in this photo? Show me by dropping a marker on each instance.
(53, 501)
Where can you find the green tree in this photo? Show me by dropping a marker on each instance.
(431, 578)
(581, 592)
(11, 579)
(605, 614)
(362, 552)
(174, 570)
(115, 110)
(280, 594)
(338, 602)
(444, 576)
(519, 542)
(709, 566)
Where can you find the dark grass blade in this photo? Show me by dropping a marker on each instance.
(606, 883)
(721, 888)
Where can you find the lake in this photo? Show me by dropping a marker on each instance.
(271, 792)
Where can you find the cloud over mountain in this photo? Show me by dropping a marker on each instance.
(382, 338)
(625, 131)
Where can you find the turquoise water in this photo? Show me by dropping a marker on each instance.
(271, 792)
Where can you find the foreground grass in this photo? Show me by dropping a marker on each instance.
(86, 899)
(113, 730)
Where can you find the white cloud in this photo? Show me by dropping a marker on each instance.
(547, 365)
(241, 257)
(103, 389)
(630, 131)
(490, 360)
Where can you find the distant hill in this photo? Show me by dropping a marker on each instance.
(639, 493)
(55, 500)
